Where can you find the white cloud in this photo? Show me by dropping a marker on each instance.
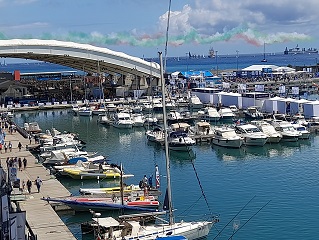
(212, 16)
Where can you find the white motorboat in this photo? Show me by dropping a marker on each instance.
(226, 137)
(226, 114)
(57, 157)
(180, 141)
(146, 106)
(234, 109)
(99, 110)
(195, 102)
(150, 120)
(253, 113)
(304, 133)
(209, 114)
(269, 130)
(122, 120)
(155, 135)
(85, 111)
(202, 128)
(289, 134)
(104, 119)
(251, 135)
(138, 120)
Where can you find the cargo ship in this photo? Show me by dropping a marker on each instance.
(298, 50)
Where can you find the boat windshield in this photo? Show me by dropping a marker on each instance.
(252, 130)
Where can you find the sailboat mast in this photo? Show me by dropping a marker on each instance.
(169, 192)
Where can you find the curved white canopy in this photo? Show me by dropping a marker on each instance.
(85, 57)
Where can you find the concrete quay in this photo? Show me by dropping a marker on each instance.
(42, 219)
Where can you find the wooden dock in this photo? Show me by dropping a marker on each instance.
(42, 219)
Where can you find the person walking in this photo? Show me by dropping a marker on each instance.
(10, 146)
(20, 164)
(38, 183)
(29, 185)
(19, 146)
(24, 163)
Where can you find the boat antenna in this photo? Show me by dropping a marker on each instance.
(166, 41)
(248, 220)
(169, 194)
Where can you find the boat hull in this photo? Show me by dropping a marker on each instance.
(235, 143)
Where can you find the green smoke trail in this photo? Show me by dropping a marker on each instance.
(243, 32)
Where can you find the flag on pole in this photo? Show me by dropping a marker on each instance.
(157, 177)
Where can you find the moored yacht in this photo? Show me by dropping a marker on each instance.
(226, 114)
(180, 141)
(251, 135)
(289, 134)
(304, 133)
(195, 102)
(122, 120)
(269, 130)
(226, 137)
(209, 114)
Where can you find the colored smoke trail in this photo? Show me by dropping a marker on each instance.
(250, 36)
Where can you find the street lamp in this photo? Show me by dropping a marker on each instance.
(237, 58)
(216, 63)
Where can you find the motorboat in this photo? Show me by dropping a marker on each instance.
(234, 109)
(174, 116)
(111, 107)
(150, 120)
(56, 157)
(288, 132)
(209, 114)
(155, 135)
(304, 133)
(138, 120)
(269, 130)
(180, 141)
(195, 102)
(202, 128)
(147, 106)
(226, 114)
(85, 111)
(99, 109)
(126, 190)
(89, 170)
(253, 113)
(122, 120)
(104, 119)
(90, 202)
(226, 137)
(32, 127)
(251, 135)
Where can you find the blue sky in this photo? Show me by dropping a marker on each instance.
(138, 27)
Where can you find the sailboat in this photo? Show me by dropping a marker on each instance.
(264, 60)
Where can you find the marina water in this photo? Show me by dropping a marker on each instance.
(286, 174)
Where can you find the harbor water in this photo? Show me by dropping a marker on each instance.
(278, 181)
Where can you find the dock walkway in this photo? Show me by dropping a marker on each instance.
(42, 219)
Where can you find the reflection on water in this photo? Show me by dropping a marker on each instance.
(285, 149)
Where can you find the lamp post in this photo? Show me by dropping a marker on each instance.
(216, 63)
(237, 59)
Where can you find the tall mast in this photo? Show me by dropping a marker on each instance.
(169, 191)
